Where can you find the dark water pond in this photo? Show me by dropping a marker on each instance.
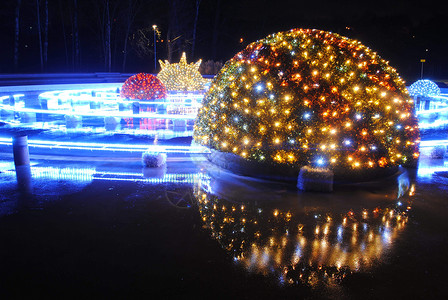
(102, 229)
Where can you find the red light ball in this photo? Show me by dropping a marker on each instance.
(143, 86)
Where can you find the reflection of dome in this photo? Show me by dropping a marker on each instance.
(143, 86)
(181, 76)
(307, 241)
(309, 97)
(424, 88)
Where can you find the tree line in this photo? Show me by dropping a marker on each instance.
(104, 35)
(118, 35)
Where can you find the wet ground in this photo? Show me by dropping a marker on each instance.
(107, 228)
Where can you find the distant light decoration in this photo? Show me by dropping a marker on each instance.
(425, 88)
(143, 86)
(334, 97)
(181, 76)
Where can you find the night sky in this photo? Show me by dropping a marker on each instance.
(402, 32)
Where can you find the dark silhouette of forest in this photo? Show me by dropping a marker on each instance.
(52, 36)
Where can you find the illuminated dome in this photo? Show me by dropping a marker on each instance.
(181, 76)
(424, 88)
(143, 86)
(309, 97)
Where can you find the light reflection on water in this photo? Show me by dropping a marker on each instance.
(298, 237)
(273, 229)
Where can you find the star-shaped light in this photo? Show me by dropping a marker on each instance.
(181, 76)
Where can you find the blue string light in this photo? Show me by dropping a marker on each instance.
(425, 88)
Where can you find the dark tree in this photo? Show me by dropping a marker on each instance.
(39, 31)
(216, 29)
(64, 34)
(45, 48)
(131, 12)
(75, 29)
(179, 27)
(106, 14)
(107, 40)
(16, 35)
(196, 16)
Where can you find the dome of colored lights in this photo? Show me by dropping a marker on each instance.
(143, 86)
(309, 98)
(181, 76)
(425, 88)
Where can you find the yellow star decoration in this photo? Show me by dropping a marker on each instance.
(181, 76)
